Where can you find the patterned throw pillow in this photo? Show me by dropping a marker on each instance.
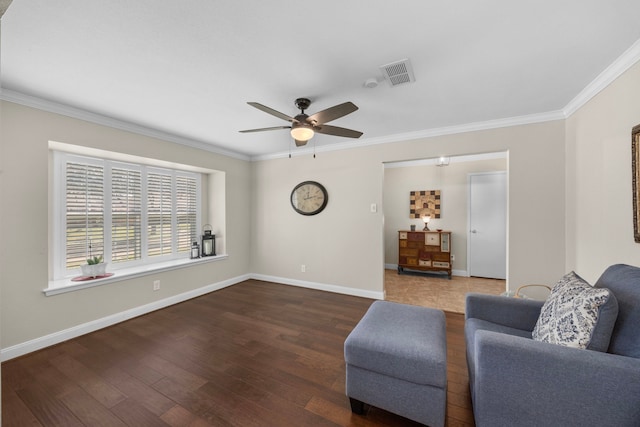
(570, 314)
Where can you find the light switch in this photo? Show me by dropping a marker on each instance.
(374, 208)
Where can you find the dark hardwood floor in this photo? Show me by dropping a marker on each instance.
(253, 354)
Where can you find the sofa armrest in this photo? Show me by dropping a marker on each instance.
(513, 312)
(523, 382)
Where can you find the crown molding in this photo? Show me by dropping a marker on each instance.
(625, 61)
(604, 79)
(427, 133)
(77, 113)
(4, 5)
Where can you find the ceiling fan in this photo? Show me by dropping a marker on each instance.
(303, 126)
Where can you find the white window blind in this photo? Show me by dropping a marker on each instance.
(84, 212)
(159, 202)
(129, 214)
(126, 215)
(187, 211)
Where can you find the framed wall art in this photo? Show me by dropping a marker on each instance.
(425, 202)
(635, 180)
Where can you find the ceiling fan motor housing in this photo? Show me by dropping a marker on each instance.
(303, 103)
(302, 118)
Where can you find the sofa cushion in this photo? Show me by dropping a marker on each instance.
(400, 341)
(577, 315)
(624, 282)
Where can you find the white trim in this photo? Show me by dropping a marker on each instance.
(320, 286)
(53, 107)
(427, 133)
(62, 159)
(85, 328)
(59, 188)
(65, 285)
(94, 325)
(604, 79)
(77, 113)
(127, 159)
(613, 71)
(454, 159)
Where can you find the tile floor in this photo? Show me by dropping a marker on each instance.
(436, 291)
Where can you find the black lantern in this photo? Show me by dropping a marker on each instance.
(208, 242)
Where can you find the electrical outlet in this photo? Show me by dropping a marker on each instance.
(453, 257)
(303, 268)
(156, 285)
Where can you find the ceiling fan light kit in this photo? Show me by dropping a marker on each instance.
(304, 127)
(301, 133)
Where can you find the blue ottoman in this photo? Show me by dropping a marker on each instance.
(396, 360)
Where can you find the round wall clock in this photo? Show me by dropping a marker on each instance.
(309, 198)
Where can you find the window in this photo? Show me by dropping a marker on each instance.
(130, 214)
(84, 212)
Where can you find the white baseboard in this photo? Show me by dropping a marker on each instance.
(85, 328)
(320, 286)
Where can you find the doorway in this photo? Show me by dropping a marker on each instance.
(402, 177)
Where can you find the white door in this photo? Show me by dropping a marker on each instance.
(487, 242)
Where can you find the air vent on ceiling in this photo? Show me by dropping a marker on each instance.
(398, 72)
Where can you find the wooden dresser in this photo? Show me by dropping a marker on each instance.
(424, 251)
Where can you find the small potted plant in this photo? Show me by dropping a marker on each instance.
(94, 266)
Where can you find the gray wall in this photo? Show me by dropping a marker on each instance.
(566, 210)
(26, 312)
(599, 219)
(344, 245)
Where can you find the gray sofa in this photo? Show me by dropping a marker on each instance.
(516, 380)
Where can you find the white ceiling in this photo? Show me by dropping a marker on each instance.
(188, 68)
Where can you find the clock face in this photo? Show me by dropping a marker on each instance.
(309, 198)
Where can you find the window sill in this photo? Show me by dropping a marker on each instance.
(67, 285)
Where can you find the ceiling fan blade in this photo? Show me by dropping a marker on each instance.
(337, 131)
(263, 129)
(271, 111)
(333, 113)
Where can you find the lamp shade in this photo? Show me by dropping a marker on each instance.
(302, 133)
(426, 219)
